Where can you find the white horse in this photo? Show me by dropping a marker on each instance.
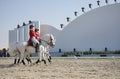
(23, 50)
(48, 41)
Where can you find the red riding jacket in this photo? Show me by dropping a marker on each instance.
(37, 36)
(31, 34)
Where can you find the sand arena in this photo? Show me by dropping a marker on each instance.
(62, 69)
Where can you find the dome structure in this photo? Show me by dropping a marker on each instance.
(48, 29)
(97, 29)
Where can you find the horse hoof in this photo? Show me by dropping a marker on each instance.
(37, 61)
(44, 61)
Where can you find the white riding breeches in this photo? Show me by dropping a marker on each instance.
(35, 41)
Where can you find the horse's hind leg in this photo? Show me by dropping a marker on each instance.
(37, 61)
(44, 61)
(18, 61)
(50, 57)
(29, 60)
(49, 60)
(15, 61)
(23, 62)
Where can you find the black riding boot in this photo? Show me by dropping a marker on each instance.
(37, 48)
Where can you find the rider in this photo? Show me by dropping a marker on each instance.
(32, 40)
(37, 35)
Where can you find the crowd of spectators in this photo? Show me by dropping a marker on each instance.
(4, 53)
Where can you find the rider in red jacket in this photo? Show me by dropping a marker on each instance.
(31, 34)
(37, 35)
(32, 40)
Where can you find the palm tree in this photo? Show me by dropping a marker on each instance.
(115, 1)
(61, 25)
(75, 13)
(83, 9)
(90, 6)
(106, 1)
(68, 19)
(98, 3)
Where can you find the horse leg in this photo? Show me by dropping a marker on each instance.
(23, 55)
(49, 60)
(41, 58)
(29, 60)
(44, 61)
(18, 61)
(23, 62)
(50, 57)
(37, 61)
(15, 61)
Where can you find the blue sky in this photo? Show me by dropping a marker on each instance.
(52, 12)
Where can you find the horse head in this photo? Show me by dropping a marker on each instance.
(52, 40)
(49, 39)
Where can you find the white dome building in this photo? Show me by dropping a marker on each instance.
(96, 29)
(48, 29)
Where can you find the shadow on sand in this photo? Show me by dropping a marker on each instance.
(7, 65)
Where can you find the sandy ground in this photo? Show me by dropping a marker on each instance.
(62, 69)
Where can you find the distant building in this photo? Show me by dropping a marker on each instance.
(96, 29)
(21, 34)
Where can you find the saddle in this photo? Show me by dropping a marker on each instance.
(32, 44)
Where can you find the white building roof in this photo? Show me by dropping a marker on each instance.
(96, 29)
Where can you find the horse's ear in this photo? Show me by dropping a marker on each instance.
(51, 35)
